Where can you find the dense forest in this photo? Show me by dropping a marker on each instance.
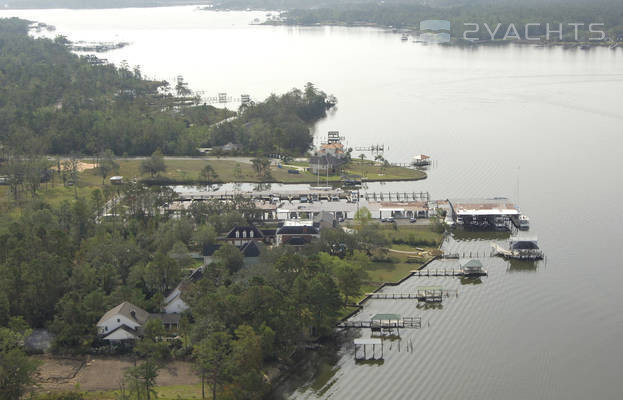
(54, 102)
(247, 316)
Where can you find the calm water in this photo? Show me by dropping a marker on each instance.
(540, 125)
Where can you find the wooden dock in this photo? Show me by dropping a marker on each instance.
(264, 195)
(397, 196)
(405, 322)
(430, 296)
(444, 272)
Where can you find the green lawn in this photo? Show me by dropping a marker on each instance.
(374, 172)
(189, 170)
(418, 234)
(395, 266)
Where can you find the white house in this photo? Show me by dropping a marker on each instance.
(173, 303)
(122, 322)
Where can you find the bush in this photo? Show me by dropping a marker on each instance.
(61, 396)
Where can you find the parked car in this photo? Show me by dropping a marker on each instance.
(413, 220)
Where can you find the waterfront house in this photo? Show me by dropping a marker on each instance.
(333, 149)
(327, 163)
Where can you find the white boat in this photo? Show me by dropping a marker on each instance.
(524, 222)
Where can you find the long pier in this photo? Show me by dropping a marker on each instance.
(309, 193)
(445, 272)
(405, 322)
(435, 295)
(397, 196)
(265, 195)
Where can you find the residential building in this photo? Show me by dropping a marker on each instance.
(297, 233)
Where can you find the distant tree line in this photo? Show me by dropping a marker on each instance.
(98, 3)
(409, 13)
(52, 101)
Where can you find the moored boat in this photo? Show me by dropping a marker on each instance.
(520, 248)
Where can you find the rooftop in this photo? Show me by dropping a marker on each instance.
(472, 264)
(129, 311)
(398, 206)
(495, 206)
(386, 317)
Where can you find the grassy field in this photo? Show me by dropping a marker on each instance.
(189, 170)
(54, 194)
(395, 266)
(373, 172)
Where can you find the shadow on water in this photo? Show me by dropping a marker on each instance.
(470, 281)
(523, 266)
(315, 369)
(429, 306)
(370, 362)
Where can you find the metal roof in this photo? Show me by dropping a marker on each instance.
(495, 206)
(386, 317)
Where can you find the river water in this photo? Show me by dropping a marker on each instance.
(540, 125)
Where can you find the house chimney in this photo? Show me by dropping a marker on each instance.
(133, 314)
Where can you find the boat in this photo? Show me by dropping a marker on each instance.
(520, 248)
(524, 222)
(421, 160)
(473, 268)
(521, 221)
